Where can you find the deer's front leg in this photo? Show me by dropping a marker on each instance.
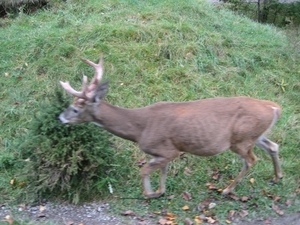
(154, 164)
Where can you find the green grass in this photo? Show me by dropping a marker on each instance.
(157, 51)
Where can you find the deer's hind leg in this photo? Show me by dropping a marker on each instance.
(245, 150)
(272, 149)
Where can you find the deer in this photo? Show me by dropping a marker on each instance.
(165, 130)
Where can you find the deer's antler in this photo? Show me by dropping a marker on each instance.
(86, 91)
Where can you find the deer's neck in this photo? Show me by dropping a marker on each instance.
(125, 123)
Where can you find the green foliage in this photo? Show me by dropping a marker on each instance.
(270, 11)
(62, 159)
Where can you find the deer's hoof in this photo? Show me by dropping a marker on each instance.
(226, 191)
(154, 194)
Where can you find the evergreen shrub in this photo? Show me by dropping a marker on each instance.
(63, 160)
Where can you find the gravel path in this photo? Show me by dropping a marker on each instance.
(99, 213)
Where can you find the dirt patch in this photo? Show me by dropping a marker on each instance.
(100, 213)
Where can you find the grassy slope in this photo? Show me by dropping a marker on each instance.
(157, 51)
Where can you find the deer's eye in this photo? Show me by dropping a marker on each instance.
(75, 111)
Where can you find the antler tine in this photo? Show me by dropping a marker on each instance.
(82, 94)
(98, 72)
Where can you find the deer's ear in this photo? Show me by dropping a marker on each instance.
(101, 91)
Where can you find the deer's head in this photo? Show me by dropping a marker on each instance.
(86, 99)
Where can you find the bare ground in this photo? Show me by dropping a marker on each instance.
(98, 213)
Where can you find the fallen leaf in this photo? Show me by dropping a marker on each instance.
(277, 209)
(9, 219)
(162, 221)
(128, 213)
(6, 74)
(188, 221)
(244, 198)
(211, 186)
(21, 184)
(186, 196)
(212, 205)
(276, 198)
(198, 220)
(12, 181)
(187, 171)
(171, 197)
(228, 221)
(243, 213)
(267, 221)
(252, 180)
(210, 220)
(185, 207)
(233, 196)
(288, 202)
(216, 175)
(226, 167)
(42, 208)
(231, 214)
(170, 216)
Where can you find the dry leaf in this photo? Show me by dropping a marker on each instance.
(6, 74)
(288, 202)
(42, 208)
(211, 186)
(185, 207)
(210, 220)
(216, 175)
(277, 209)
(12, 181)
(171, 197)
(198, 220)
(170, 216)
(228, 221)
(252, 180)
(188, 221)
(162, 221)
(243, 213)
(212, 205)
(233, 196)
(268, 221)
(276, 198)
(187, 171)
(231, 214)
(186, 196)
(244, 198)
(128, 213)
(9, 219)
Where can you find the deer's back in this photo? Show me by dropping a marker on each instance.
(205, 127)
